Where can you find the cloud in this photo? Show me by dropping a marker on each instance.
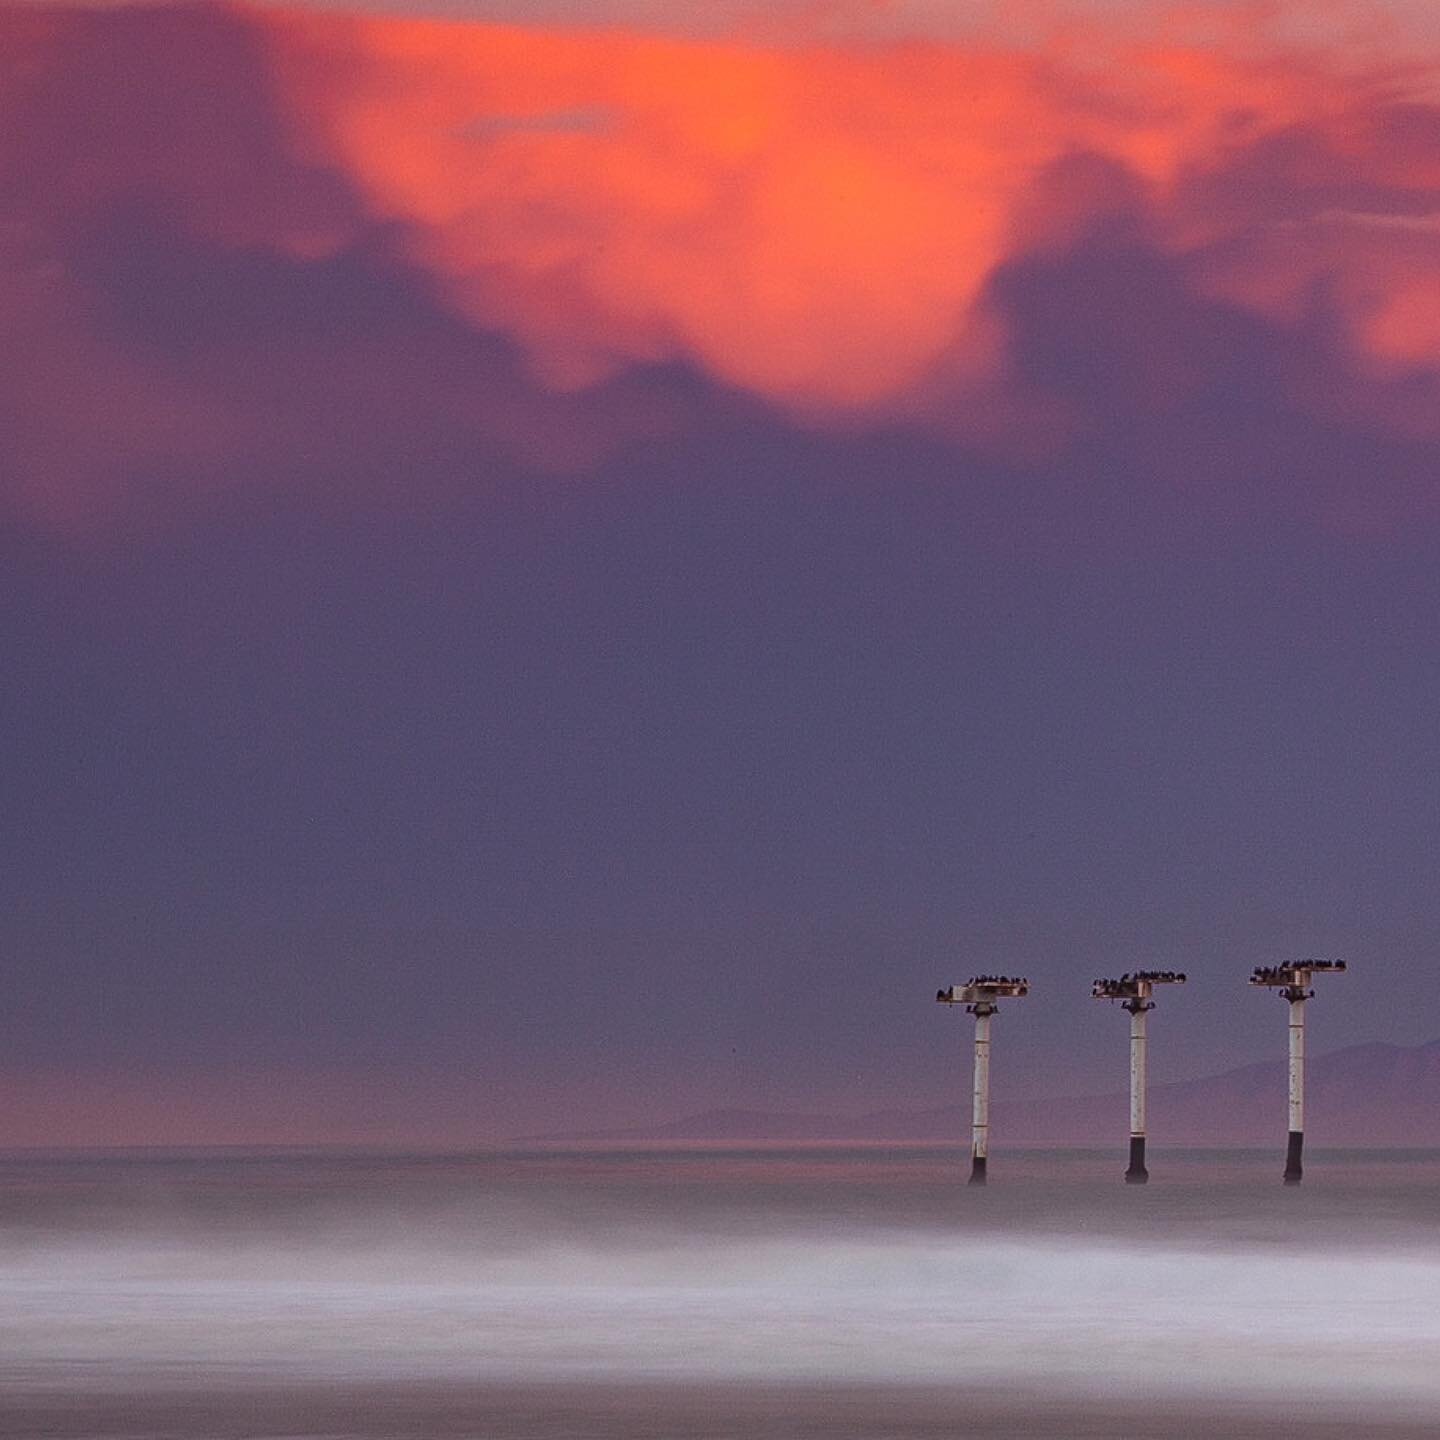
(237, 241)
(819, 224)
(195, 298)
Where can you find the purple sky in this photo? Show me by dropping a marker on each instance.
(402, 746)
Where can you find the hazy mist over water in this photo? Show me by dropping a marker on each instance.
(816, 1291)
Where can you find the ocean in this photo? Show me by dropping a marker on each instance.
(707, 1292)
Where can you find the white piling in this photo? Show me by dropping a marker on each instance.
(1139, 1060)
(979, 996)
(1293, 984)
(980, 1108)
(1295, 1138)
(1133, 992)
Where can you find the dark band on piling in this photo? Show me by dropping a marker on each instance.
(1137, 1174)
(977, 1169)
(1294, 1146)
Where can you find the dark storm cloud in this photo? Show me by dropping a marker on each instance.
(194, 306)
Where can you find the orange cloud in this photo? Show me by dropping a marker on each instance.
(832, 226)
(818, 224)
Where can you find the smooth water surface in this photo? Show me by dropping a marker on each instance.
(816, 1291)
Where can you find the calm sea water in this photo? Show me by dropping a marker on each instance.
(706, 1293)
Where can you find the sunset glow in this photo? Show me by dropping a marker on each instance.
(826, 225)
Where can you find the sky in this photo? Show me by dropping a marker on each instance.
(573, 564)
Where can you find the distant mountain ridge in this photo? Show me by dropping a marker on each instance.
(1375, 1095)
